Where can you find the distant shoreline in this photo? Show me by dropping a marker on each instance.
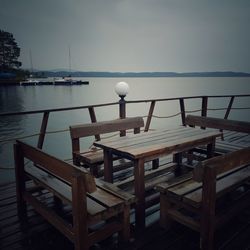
(141, 74)
(89, 74)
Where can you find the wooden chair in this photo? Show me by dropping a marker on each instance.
(87, 200)
(201, 202)
(94, 157)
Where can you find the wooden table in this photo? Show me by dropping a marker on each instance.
(150, 146)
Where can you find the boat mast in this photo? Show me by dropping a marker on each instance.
(69, 62)
(31, 62)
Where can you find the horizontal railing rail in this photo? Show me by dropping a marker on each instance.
(55, 109)
(122, 111)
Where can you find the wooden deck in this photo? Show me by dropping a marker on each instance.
(38, 234)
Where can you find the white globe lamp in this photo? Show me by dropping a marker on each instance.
(122, 89)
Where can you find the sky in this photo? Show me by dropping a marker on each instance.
(130, 35)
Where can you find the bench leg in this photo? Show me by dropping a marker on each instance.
(190, 157)
(21, 206)
(207, 236)
(124, 234)
(139, 185)
(208, 209)
(108, 166)
(20, 182)
(58, 202)
(76, 161)
(94, 170)
(165, 205)
(79, 212)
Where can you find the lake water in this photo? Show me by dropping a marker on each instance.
(101, 90)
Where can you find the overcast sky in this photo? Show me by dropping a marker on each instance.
(131, 35)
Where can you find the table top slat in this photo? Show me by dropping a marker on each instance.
(159, 143)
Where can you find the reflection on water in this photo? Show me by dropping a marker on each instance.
(10, 127)
(10, 100)
(101, 90)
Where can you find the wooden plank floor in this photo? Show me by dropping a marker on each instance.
(37, 234)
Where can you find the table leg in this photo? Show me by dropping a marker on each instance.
(108, 166)
(178, 159)
(140, 194)
(155, 163)
(211, 149)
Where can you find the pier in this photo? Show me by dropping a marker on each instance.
(160, 166)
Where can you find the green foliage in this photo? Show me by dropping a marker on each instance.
(9, 52)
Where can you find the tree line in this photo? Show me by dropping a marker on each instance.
(9, 54)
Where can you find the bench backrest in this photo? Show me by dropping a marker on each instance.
(56, 167)
(218, 123)
(221, 164)
(95, 129)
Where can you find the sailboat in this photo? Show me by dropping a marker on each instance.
(31, 81)
(68, 80)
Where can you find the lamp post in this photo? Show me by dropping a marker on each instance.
(121, 89)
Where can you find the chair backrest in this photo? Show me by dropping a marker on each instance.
(218, 123)
(97, 128)
(54, 166)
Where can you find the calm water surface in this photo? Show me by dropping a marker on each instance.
(101, 90)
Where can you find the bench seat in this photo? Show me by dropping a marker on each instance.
(190, 191)
(99, 203)
(90, 157)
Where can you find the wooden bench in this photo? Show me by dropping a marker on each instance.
(223, 124)
(218, 189)
(82, 200)
(241, 128)
(92, 158)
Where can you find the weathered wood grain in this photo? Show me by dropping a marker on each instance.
(93, 158)
(76, 187)
(218, 178)
(224, 124)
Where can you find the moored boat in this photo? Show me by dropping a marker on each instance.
(57, 81)
(79, 82)
(62, 81)
(69, 81)
(29, 82)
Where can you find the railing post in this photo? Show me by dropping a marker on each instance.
(150, 114)
(204, 106)
(122, 108)
(229, 107)
(183, 113)
(43, 130)
(122, 112)
(93, 120)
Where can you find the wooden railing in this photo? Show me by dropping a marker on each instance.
(121, 105)
(203, 109)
